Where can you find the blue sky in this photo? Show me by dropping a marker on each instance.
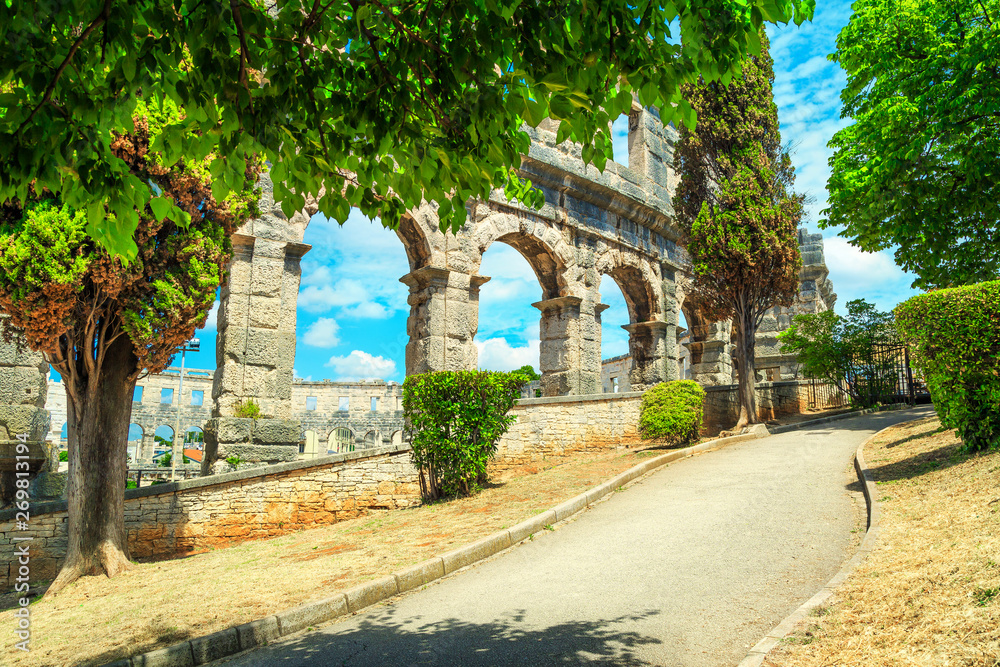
(352, 308)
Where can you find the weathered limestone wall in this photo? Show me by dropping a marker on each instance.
(194, 515)
(23, 389)
(774, 399)
(558, 426)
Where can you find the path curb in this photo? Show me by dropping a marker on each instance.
(202, 650)
(755, 657)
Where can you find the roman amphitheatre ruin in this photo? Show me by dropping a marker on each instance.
(618, 223)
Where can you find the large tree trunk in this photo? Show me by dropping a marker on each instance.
(98, 449)
(746, 372)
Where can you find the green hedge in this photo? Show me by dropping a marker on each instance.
(454, 420)
(955, 336)
(672, 412)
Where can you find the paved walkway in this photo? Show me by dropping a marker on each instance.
(690, 566)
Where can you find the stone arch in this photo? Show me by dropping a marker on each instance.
(415, 242)
(373, 438)
(397, 438)
(709, 344)
(341, 440)
(542, 246)
(638, 281)
(309, 447)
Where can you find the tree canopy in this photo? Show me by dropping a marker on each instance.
(377, 104)
(736, 208)
(101, 322)
(918, 169)
(848, 352)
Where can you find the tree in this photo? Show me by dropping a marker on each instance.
(528, 371)
(101, 322)
(736, 210)
(918, 169)
(848, 352)
(377, 104)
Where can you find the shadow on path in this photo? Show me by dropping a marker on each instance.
(379, 639)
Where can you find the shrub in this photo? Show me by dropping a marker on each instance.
(672, 412)
(248, 409)
(63, 456)
(955, 336)
(454, 420)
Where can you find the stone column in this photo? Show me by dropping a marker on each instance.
(647, 344)
(711, 354)
(255, 353)
(570, 338)
(23, 418)
(444, 317)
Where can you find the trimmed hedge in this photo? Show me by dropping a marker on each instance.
(454, 420)
(955, 336)
(672, 412)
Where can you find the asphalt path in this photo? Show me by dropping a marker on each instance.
(691, 566)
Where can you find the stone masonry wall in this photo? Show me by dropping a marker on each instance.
(561, 425)
(194, 515)
(774, 399)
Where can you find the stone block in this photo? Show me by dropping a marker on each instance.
(471, 553)
(570, 507)
(276, 431)
(419, 574)
(531, 526)
(371, 592)
(311, 614)
(20, 385)
(214, 646)
(258, 633)
(23, 420)
(178, 655)
(230, 429)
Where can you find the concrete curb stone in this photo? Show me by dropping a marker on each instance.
(268, 629)
(756, 656)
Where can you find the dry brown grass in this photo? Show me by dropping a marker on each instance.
(98, 620)
(929, 594)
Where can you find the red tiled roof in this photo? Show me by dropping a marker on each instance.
(193, 454)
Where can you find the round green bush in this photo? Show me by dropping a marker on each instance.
(672, 412)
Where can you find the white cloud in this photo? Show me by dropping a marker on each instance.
(213, 316)
(322, 333)
(360, 365)
(496, 354)
(318, 298)
(861, 275)
(295, 374)
(367, 310)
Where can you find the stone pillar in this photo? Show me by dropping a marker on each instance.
(444, 317)
(255, 353)
(647, 344)
(23, 418)
(711, 354)
(569, 358)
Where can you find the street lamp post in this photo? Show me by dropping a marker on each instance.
(192, 345)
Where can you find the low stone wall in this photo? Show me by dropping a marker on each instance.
(556, 426)
(774, 399)
(194, 515)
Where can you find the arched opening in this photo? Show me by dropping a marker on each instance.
(163, 441)
(508, 331)
(616, 361)
(194, 438)
(397, 439)
(135, 435)
(372, 439)
(341, 441)
(309, 445)
(352, 327)
(64, 434)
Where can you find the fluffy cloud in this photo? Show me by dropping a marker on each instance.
(861, 275)
(496, 354)
(367, 310)
(322, 333)
(318, 297)
(213, 317)
(360, 365)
